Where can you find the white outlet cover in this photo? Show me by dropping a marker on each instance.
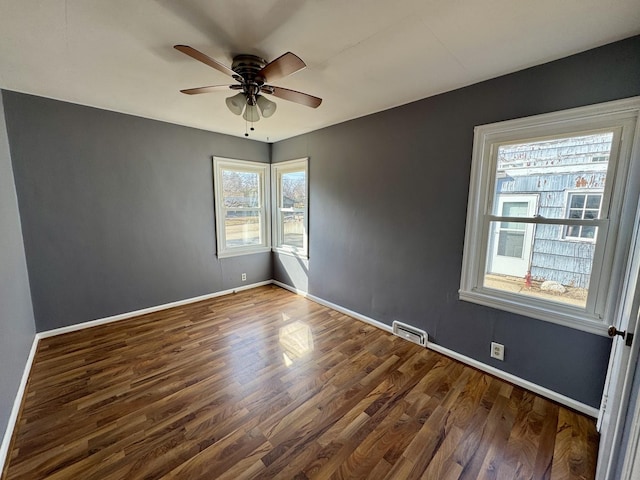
(497, 351)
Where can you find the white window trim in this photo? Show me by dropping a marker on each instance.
(277, 169)
(602, 304)
(220, 163)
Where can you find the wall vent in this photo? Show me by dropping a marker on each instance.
(410, 333)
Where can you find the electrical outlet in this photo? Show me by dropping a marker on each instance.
(497, 351)
(244, 277)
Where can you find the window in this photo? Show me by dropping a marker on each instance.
(290, 191)
(582, 206)
(242, 225)
(547, 226)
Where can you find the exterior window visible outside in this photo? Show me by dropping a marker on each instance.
(242, 225)
(290, 203)
(583, 206)
(543, 216)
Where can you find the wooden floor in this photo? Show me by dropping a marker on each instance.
(266, 384)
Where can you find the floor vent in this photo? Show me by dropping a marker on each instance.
(410, 333)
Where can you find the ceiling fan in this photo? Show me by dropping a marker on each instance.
(253, 75)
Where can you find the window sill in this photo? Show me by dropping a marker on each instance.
(541, 310)
(291, 253)
(242, 251)
(590, 241)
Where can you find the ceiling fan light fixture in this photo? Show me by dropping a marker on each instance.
(267, 107)
(251, 114)
(236, 103)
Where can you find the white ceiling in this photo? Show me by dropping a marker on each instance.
(362, 56)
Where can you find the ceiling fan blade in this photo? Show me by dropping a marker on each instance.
(211, 88)
(281, 67)
(207, 60)
(298, 97)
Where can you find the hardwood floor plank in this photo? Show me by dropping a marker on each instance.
(505, 410)
(264, 384)
(366, 455)
(572, 457)
(480, 464)
(220, 456)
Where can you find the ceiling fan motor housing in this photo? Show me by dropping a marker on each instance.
(247, 68)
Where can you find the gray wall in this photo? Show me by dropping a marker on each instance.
(117, 211)
(17, 328)
(388, 198)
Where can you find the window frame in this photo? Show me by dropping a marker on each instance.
(247, 166)
(277, 170)
(615, 222)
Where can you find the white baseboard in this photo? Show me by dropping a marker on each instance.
(144, 311)
(17, 403)
(496, 372)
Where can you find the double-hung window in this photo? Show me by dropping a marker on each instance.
(290, 202)
(241, 204)
(551, 205)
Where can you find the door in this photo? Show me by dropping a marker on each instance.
(512, 241)
(616, 413)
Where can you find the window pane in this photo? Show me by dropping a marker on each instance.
(593, 201)
(577, 201)
(242, 228)
(293, 229)
(241, 189)
(573, 231)
(510, 244)
(294, 189)
(551, 168)
(588, 232)
(514, 209)
(293, 202)
(535, 262)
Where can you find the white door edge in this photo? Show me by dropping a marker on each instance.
(622, 367)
